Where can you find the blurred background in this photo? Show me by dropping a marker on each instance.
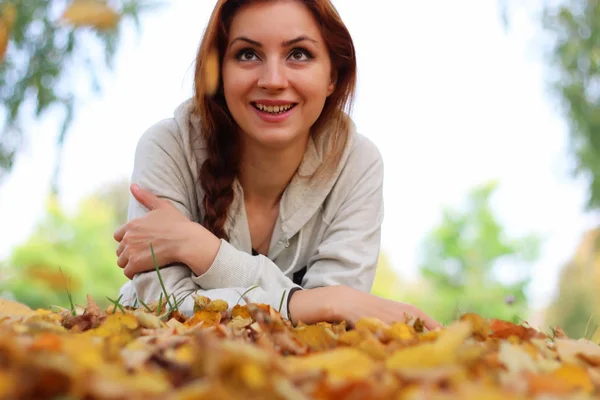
(486, 112)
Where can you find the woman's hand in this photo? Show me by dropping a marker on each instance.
(164, 226)
(353, 305)
(343, 303)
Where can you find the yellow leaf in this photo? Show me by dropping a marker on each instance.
(340, 363)
(373, 325)
(481, 327)
(427, 355)
(3, 39)
(402, 332)
(207, 318)
(374, 348)
(575, 376)
(91, 13)
(351, 338)
(253, 376)
(218, 306)
(317, 338)
(240, 311)
(8, 13)
(210, 71)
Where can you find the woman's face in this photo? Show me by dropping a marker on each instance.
(276, 72)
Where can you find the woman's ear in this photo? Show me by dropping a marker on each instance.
(331, 87)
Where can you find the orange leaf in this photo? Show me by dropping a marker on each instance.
(91, 13)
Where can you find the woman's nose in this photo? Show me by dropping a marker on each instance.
(273, 76)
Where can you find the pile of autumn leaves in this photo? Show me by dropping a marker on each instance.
(250, 352)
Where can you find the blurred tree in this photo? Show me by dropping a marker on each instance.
(45, 45)
(574, 30)
(576, 307)
(464, 258)
(75, 253)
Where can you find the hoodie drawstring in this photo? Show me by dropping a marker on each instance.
(296, 256)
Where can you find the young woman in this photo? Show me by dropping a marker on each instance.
(265, 183)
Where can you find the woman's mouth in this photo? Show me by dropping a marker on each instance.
(273, 113)
(274, 110)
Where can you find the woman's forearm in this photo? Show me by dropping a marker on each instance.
(317, 305)
(199, 250)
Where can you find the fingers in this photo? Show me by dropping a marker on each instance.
(120, 248)
(119, 233)
(128, 271)
(123, 259)
(145, 197)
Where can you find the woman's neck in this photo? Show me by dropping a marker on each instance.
(265, 173)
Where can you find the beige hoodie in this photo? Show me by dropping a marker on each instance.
(327, 233)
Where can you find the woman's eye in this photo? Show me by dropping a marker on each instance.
(246, 55)
(300, 55)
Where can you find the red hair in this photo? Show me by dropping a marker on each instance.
(218, 127)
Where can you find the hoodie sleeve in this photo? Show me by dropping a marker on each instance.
(161, 167)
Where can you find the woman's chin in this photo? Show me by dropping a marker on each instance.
(277, 138)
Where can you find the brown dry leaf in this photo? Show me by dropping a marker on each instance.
(210, 71)
(505, 329)
(559, 333)
(91, 13)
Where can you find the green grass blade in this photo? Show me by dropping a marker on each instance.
(73, 311)
(281, 302)
(246, 292)
(145, 306)
(159, 308)
(162, 284)
(117, 304)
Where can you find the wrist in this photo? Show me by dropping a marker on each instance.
(198, 249)
(315, 305)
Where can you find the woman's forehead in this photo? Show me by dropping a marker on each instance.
(274, 22)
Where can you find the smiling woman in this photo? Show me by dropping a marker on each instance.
(263, 183)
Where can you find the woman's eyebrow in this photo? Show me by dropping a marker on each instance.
(286, 43)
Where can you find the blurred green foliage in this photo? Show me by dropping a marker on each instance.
(67, 252)
(574, 30)
(463, 260)
(48, 62)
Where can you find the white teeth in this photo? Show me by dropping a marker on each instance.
(273, 109)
